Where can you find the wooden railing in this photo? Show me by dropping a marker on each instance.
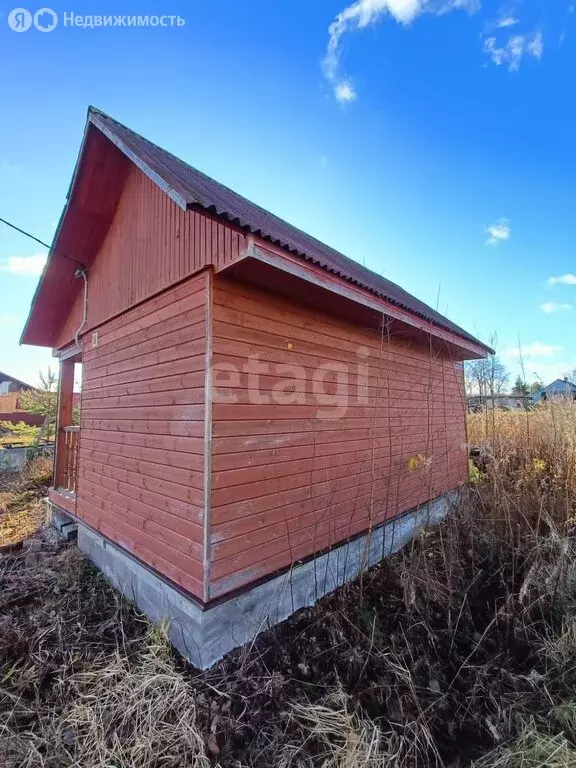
(69, 457)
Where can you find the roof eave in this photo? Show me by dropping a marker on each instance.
(25, 330)
(473, 348)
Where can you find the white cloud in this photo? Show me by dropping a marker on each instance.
(506, 21)
(498, 231)
(550, 371)
(360, 15)
(344, 92)
(563, 280)
(536, 45)
(536, 349)
(516, 47)
(31, 266)
(551, 306)
(364, 13)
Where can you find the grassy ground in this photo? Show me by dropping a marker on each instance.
(21, 509)
(461, 649)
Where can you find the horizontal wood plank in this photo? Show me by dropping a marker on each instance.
(319, 441)
(141, 456)
(182, 569)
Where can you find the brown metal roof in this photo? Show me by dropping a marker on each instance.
(191, 188)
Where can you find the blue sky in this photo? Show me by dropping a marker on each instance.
(432, 141)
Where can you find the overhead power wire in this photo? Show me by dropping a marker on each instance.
(41, 242)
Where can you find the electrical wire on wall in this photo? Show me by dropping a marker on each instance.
(41, 242)
(81, 272)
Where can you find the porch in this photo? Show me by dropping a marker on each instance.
(63, 493)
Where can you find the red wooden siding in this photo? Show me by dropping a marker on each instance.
(141, 465)
(286, 483)
(151, 244)
(276, 483)
(64, 501)
(315, 274)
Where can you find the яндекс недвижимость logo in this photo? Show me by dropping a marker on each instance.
(45, 20)
(21, 20)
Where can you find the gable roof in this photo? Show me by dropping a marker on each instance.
(567, 386)
(6, 377)
(193, 190)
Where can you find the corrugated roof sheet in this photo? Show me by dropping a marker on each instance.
(192, 188)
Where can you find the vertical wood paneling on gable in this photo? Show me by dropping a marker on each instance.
(152, 244)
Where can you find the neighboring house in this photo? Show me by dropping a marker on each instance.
(11, 409)
(255, 405)
(10, 384)
(560, 388)
(507, 402)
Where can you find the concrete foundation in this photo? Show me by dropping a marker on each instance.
(65, 527)
(205, 635)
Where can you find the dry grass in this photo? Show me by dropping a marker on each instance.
(532, 454)
(16, 526)
(459, 650)
(21, 511)
(84, 681)
(133, 713)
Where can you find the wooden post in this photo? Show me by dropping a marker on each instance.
(64, 418)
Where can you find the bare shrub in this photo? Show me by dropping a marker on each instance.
(38, 472)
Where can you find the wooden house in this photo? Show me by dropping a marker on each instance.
(256, 407)
(559, 389)
(12, 410)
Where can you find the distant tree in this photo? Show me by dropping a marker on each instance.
(536, 386)
(18, 433)
(571, 376)
(487, 377)
(44, 401)
(520, 388)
